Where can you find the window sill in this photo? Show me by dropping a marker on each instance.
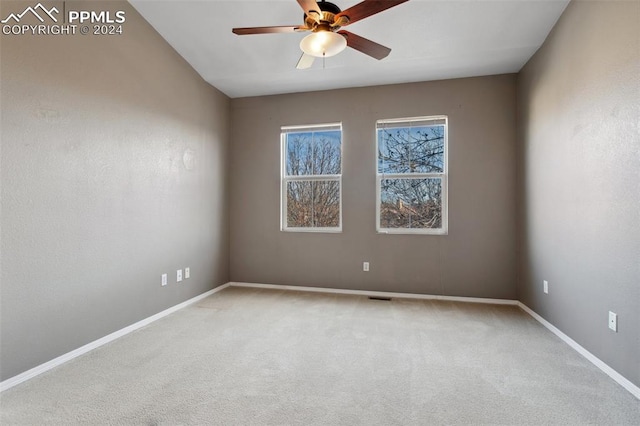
(405, 231)
(314, 230)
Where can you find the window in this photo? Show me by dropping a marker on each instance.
(412, 175)
(311, 178)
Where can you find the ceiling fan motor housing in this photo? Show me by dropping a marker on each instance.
(326, 22)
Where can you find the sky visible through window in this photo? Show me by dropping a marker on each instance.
(314, 153)
(411, 149)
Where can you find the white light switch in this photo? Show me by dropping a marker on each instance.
(179, 275)
(164, 279)
(545, 286)
(365, 266)
(187, 273)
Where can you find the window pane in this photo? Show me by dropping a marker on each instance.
(411, 203)
(299, 205)
(299, 154)
(313, 153)
(392, 155)
(326, 152)
(313, 204)
(326, 204)
(411, 149)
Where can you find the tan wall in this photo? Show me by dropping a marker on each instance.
(114, 170)
(579, 179)
(477, 258)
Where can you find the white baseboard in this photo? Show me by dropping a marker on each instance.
(619, 378)
(378, 293)
(22, 377)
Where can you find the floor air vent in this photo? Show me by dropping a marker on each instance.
(386, 299)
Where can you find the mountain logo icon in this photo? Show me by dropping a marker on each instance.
(34, 11)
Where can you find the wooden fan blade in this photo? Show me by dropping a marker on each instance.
(365, 46)
(310, 6)
(269, 30)
(367, 8)
(305, 61)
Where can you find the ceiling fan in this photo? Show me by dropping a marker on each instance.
(324, 20)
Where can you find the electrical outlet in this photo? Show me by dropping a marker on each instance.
(164, 279)
(365, 266)
(545, 286)
(179, 275)
(187, 273)
(613, 321)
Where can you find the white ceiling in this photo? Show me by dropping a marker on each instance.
(430, 40)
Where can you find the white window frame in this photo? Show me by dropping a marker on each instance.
(443, 176)
(284, 179)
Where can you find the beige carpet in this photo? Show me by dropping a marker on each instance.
(249, 356)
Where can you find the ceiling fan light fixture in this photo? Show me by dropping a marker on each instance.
(323, 44)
